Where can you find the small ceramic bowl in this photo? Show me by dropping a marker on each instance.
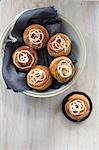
(78, 49)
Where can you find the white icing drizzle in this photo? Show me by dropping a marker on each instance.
(76, 107)
(64, 68)
(23, 58)
(36, 37)
(36, 75)
(58, 46)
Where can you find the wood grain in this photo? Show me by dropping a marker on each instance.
(28, 123)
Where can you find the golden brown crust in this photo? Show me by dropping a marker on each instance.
(30, 53)
(40, 85)
(43, 31)
(56, 74)
(64, 51)
(78, 114)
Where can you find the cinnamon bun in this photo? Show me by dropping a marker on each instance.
(62, 69)
(77, 106)
(35, 36)
(39, 78)
(59, 45)
(24, 58)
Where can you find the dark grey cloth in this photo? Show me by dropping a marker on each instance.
(47, 17)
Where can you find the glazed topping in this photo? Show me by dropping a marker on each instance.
(36, 75)
(23, 57)
(36, 37)
(64, 68)
(59, 44)
(76, 107)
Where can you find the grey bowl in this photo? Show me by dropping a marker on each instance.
(78, 48)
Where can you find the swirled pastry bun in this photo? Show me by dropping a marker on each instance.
(24, 58)
(39, 78)
(59, 45)
(62, 69)
(77, 106)
(35, 36)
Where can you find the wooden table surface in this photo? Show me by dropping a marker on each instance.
(28, 123)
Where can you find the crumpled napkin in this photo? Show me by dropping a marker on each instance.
(46, 16)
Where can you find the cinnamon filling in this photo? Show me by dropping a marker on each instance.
(23, 58)
(36, 37)
(64, 68)
(36, 75)
(77, 107)
(58, 44)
